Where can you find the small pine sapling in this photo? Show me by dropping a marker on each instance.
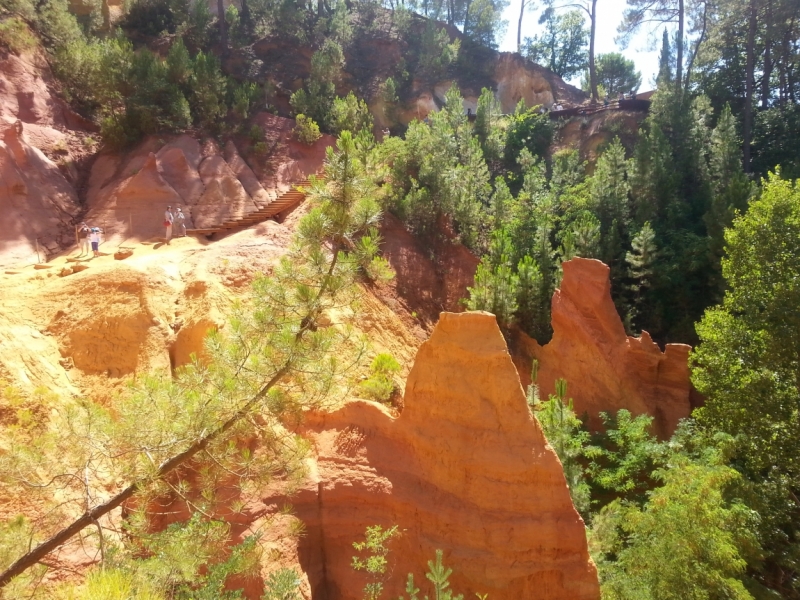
(373, 559)
(380, 385)
(282, 584)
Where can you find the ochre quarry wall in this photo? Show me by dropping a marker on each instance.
(605, 369)
(465, 468)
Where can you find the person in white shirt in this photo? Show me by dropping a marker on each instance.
(180, 223)
(168, 220)
(94, 237)
(83, 235)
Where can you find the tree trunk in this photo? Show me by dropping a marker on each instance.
(765, 81)
(519, 25)
(92, 516)
(696, 49)
(749, 85)
(592, 71)
(223, 26)
(679, 60)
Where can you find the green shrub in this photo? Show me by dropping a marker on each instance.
(256, 134)
(282, 585)
(380, 385)
(351, 114)
(306, 130)
(528, 129)
(15, 34)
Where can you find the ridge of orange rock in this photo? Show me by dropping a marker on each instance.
(607, 370)
(465, 468)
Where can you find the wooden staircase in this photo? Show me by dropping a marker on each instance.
(284, 202)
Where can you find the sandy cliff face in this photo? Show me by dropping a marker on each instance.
(465, 468)
(37, 203)
(128, 194)
(605, 369)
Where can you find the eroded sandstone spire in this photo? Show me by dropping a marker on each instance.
(465, 468)
(607, 370)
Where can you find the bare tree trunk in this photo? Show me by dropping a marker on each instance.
(522, 6)
(749, 85)
(765, 80)
(592, 70)
(679, 61)
(697, 45)
(223, 26)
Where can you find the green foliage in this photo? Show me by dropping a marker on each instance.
(641, 266)
(154, 104)
(151, 17)
(688, 541)
(436, 52)
(775, 141)
(56, 24)
(747, 364)
(439, 576)
(317, 98)
(306, 130)
(438, 172)
(273, 359)
(114, 584)
(380, 384)
(616, 74)
(14, 34)
(208, 91)
(350, 114)
(372, 558)
(489, 129)
(562, 46)
(496, 285)
(621, 459)
(530, 130)
(244, 98)
(563, 432)
(282, 584)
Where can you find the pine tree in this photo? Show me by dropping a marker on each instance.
(528, 295)
(274, 359)
(665, 61)
(610, 189)
(731, 187)
(496, 285)
(641, 266)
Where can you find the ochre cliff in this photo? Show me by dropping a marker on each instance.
(465, 468)
(605, 369)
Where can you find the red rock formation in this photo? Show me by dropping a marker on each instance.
(605, 369)
(224, 198)
(246, 176)
(465, 468)
(37, 202)
(179, 173)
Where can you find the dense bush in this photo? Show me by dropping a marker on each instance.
(14, 34)
(350, 113)
(380, 384)
(306, 130)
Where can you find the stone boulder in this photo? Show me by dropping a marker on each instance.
(607, 370)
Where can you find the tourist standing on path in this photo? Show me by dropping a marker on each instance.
(83, 236)
(169, 218)
(94, 237)
(180, 223)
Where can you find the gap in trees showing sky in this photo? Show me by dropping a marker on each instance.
(642, 49)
